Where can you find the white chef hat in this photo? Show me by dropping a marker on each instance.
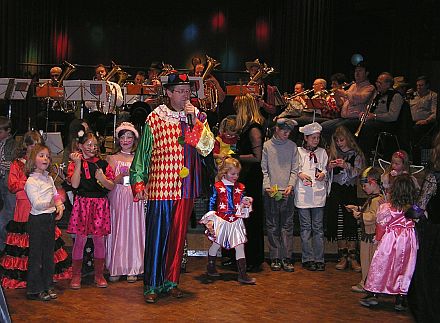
(310, 129)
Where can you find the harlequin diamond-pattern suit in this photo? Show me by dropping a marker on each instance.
(168, 147)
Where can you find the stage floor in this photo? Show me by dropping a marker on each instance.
(278, 296)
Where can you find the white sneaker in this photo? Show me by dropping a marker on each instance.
(114, 278)
(131, 278)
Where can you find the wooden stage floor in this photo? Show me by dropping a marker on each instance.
(301, 296)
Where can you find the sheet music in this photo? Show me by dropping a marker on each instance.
(4, 82)
(128, 98)
(21, 88)
(95, 91)
(73, 90)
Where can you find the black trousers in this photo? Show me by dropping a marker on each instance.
(41, 266)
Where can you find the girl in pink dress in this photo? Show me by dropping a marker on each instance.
(394, 261)
(92, 178)
(126, 244)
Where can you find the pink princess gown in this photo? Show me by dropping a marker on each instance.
(394, 261)
(126, 244)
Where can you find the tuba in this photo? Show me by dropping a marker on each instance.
(210, 102)
(70, 68)
(115, 70)
(65, 106)
(261, 74)
(111, 90)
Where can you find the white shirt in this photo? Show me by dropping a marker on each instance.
(114, 99)
(41, 190)
(315, 195)
(424, 107)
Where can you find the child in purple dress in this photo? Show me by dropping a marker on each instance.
(394, 261)
(126, 243)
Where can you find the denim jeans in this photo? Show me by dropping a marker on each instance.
(312, 234)
(279, 224)
(7, 212)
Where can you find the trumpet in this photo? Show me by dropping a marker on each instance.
(343, 86)
(363, 119)
(305, 92)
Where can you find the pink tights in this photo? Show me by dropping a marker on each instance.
(80, 242)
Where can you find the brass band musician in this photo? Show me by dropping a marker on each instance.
(266, 100)
(154, 72)
(98, 111)
(354, 101)
(198, 71)
(50, 112)
(383, 113)
(139, 77)
(55, 73)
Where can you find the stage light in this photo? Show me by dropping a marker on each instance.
(190, 33)
(218, 21)
(262, 31)
(61, 46)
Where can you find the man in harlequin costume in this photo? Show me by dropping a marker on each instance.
(166, 172)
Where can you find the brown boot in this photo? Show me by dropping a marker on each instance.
(99, 273)
(242, 276)
(211, 268)
(353, 261)
(75, 283)
(343, 261)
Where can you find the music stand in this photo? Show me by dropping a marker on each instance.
(315, 104)
(242, 89)
(199, 86)
(19, 91)
(54, 142)
(136, 92)
(47, 92)
(6, 85)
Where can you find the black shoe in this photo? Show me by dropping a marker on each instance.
(369, 300)
(309, 265)
(52, 294)
(288, 265)
(43, 296)
(275, 265)
(400, 304)
(320, 266)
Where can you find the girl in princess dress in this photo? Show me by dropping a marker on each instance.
(125, 245)
(394, 260)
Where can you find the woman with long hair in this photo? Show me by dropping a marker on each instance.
(249, 125)
(425, 286)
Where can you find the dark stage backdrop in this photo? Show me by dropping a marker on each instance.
(301, 39)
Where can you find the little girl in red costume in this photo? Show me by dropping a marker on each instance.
(228, 206)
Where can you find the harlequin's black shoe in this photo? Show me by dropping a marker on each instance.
(43, 296)
(309, 265)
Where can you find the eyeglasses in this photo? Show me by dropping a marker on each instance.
(182, 91)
